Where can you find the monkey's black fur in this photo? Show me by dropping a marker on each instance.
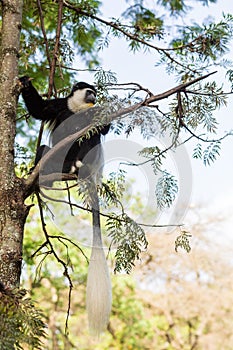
(65, 116)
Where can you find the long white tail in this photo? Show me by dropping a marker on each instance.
(99, 294)
(99, 291)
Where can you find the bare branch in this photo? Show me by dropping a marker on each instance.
(61, 238)
(109, 216)
(52, 64)
(44, 244)
(40, 10)
(59, 260)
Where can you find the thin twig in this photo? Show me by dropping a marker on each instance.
(62, 188)
(208, 94)
(103, 214)
(131, 36)
(39, 249)
(52, 64)
(69, 199)
(56, 48)
(60, 261)
(206, 140)
(40, 10)
(71, 242)
(39, 265)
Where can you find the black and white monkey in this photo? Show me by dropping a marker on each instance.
(65, 116)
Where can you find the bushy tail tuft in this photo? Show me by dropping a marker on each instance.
(99, 292)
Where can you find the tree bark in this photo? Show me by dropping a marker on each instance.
(13, 212)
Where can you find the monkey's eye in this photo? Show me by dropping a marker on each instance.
(90, 92)
(90, 96)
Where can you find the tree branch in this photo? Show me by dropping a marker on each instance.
(40, 10)
(176, 89)
(56, 47)
(31, 180)
(134, 37)
(108, 216)
(60, 261)
(52, 63)
(131, 36)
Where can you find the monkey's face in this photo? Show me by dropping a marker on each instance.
(90, 96)
(81, 99)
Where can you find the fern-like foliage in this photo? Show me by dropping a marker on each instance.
(182, 241)
(211, 152)
(206, 42)
(103, 79)
(21, 323)
(113, 189)
(230, 77)
(83, 192)
(155, 155)
(197, 152)
(130, 239)
(166, 190)
(146, 119)
(144, 22)
(198, 109)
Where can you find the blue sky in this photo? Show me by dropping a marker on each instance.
(210, 186)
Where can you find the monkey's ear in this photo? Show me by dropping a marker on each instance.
(25, 82)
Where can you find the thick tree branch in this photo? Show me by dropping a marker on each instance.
(176, 89)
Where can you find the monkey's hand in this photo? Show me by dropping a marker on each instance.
(25, 82)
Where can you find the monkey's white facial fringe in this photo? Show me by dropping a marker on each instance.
(77, 101)
(99, 292)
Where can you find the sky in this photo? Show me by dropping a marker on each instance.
(208, 187)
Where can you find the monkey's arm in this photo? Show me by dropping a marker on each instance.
(34, 102)
(37, 107)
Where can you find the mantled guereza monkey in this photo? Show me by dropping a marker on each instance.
(55, 113)
(65, 116)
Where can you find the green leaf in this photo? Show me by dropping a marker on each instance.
(130, 239)
(211, 152)
(166, 190)
(182, 241)
(197, 152)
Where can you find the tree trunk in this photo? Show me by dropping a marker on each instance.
(13, 212)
